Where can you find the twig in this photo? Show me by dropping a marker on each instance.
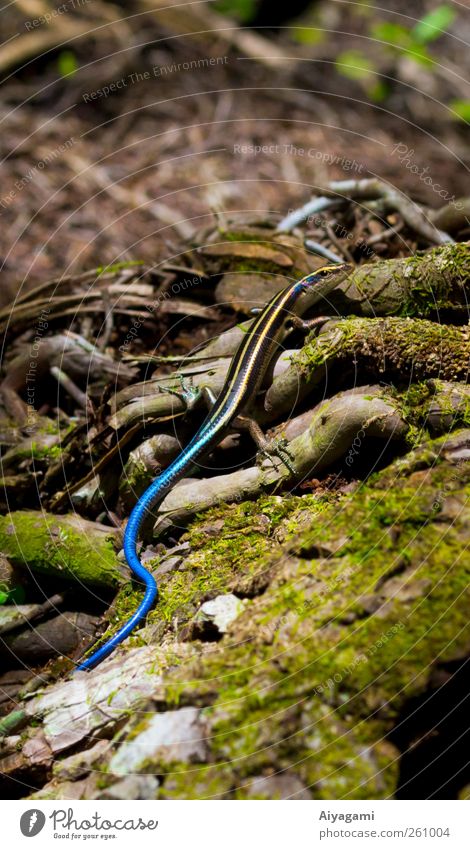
(319, 249)
(343, 248)
(64, 380)
(384, 234)
(339, 192)
(293, 219)
(395, 201)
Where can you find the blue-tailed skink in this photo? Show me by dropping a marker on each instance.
(245, 375)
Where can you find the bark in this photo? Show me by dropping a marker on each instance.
(64, 547)
(356, 349)
(358, 612)
(428, 284)
(422, 285)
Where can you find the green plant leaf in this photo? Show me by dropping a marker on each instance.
(242, 10)
(462, 108)
(378, 91)
(13, 596)
(418, 53)
(402, 40)
(308, 35)
(67, 63)
(434, 24)
(395, 34)
(355, 65)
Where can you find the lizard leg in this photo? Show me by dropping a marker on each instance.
(308, 324)
(189, 394)
(267, 447)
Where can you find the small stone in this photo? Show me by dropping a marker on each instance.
(176, 735)
(288, 786)
(131, 787)
(169, 565)
(80, 764)
(220, 611)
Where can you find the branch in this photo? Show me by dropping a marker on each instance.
(392, 348)
(320, 437)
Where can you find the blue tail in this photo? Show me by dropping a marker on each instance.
(151, 591)
(154, 493)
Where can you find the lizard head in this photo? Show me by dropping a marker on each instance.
(330, 275)
(322, 281)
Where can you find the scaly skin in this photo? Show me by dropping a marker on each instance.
(244, 378)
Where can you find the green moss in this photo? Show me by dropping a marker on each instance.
(239, 235)
(352, 601)
(187, 781)
(313, 675)
(56, 545)
(123, 607)
(430, 294)
(42, 452)
(118, 266)
(249, 532)
(395, 346)
(256, 265)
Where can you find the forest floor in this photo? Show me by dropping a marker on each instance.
(311, 635)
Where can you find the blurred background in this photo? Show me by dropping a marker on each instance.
(127, 126)
(149, 148)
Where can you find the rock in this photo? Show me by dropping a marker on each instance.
(323, 663)
(284, 786)
(37, 750)
(220, 612)
(177, 735)
(131, 787)
(11, 744)
(33, 752)
(72, 790)
(58, 635)
(172, 560)
(79, 765)
(79, 709)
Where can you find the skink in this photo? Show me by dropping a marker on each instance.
(245, 375)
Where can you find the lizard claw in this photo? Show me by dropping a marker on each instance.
(187, 392)
(278, 448)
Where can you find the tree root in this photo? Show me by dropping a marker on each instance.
(390, 348)
(423, 285)
(65, 547)
(335, 428)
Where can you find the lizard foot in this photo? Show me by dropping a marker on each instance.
(189, 394)
(278, 448)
